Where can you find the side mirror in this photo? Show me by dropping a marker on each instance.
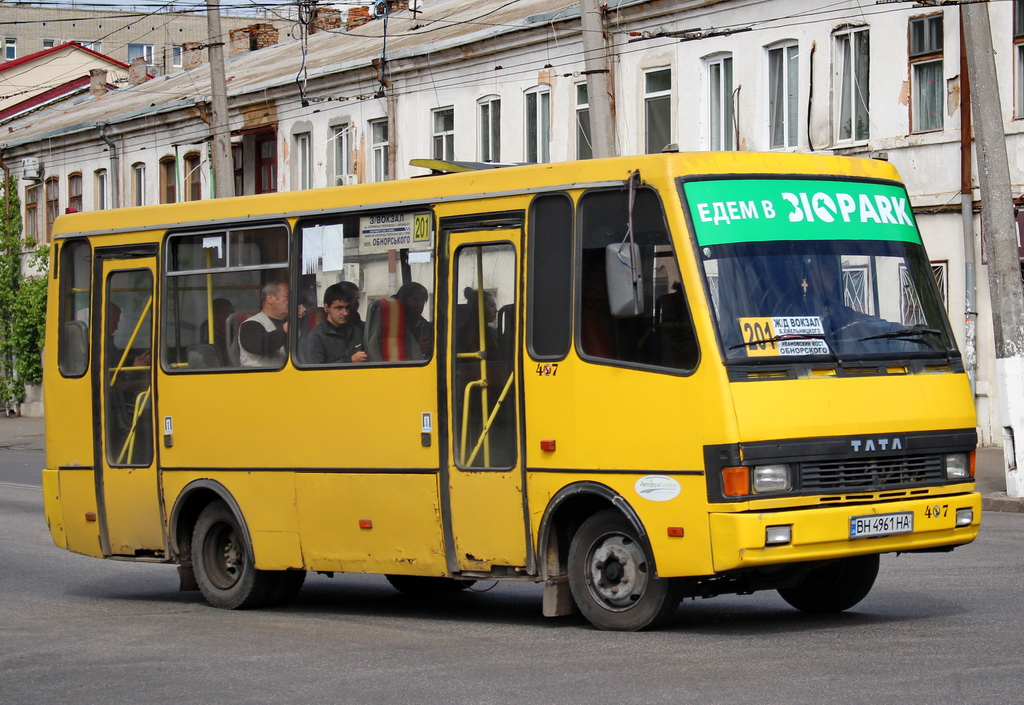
(625, 283)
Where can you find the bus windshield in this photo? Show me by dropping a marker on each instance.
(816, 268)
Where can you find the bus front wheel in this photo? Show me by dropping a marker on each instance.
(223, 563)
(612, 579)
(835, 586)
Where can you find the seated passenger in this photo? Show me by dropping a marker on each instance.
(413, 296)
(339, 337)
(263, 338)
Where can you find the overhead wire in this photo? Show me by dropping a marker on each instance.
(464, 79)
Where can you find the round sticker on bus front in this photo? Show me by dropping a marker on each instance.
(657, 488)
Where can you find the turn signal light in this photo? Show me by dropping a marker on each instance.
(735, 481)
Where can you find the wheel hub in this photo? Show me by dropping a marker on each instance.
(618, 572)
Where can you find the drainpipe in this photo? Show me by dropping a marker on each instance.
(967, 214)
(115, 166)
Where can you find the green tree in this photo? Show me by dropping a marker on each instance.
(22, 301)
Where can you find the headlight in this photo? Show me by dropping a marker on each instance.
(769, 479)
(957, 466)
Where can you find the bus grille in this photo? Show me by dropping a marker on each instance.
(871, 474)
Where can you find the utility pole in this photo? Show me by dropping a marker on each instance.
(1004, 279)
(599, 96)
(220, 132)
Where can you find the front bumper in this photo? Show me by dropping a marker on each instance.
(823, 532)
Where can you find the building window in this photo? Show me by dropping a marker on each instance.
(720, 108)
(851, 85)
(32, 213)
(95, 46)
(538, 125)
(49, 43)
(343, 156)
(176, 55)
(238, 167)
(1018, 53)
(168, 180)
(926, 73)
(99, 185)
(303, 162)
(138, 184)
(75, 193)
(379, 149)
(144, 51)
(490, 129)
(192, 178)
(10, 49)
(52, 204)
(783, 88)
(266, 163)
(584, 145)
(657, 110)
(444, 134)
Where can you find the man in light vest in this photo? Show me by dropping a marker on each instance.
(263, 337)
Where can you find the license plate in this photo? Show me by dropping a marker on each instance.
(881, 524)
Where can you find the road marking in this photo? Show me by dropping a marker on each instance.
(21, 486)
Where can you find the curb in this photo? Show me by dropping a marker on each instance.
(1001, 502)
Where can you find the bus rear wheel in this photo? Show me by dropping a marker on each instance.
(611, 575)
(223, 562)
(835, 586)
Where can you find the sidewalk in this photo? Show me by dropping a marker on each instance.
(24, 433)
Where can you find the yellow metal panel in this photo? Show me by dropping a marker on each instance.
(405, 537)
(277, 550)
(132, 504)
(245, 423)
(834, 406)
(53, 509)
(78, 497)
(824, 532)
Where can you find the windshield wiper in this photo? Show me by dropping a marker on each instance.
(792, 336)
(915, 332)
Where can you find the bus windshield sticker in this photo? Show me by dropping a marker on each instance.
(769, 210)
(395, 231)
(768, 336)
(657, 488)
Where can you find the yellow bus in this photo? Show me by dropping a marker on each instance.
(634, 380)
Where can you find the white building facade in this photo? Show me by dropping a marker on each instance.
(458, 80)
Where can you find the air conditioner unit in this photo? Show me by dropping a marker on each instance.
(346, 179)
(32, 169)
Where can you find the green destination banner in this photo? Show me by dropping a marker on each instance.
(765, 210)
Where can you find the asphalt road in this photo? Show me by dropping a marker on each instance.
(937, 628)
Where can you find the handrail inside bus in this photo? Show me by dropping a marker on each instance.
(131, 341)
(484, 440)
(129, 442)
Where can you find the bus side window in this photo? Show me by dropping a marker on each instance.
(549, 326)
(75, 290)
(662, 335)
(214, 280)
(390, 319)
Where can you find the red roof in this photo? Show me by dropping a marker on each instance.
(7, 65)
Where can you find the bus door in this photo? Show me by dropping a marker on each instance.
(486, 501)
(123, 385)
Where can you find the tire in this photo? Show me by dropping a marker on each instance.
(611, 576)
(287, 584)
(834, 587)
(223, 562)
(420, 585)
